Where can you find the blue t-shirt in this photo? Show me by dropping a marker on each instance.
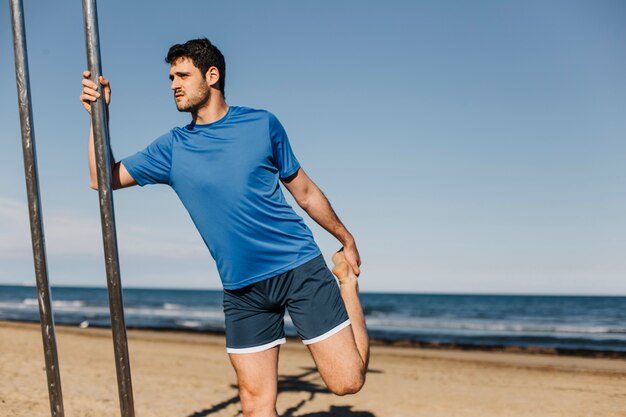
(227, 175)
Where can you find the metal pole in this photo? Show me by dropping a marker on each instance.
(34, 210)
(107, 215)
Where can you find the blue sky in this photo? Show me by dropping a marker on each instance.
(471, 147)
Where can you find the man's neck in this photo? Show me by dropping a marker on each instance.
(212, 111)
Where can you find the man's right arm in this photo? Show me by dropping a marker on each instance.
(120, 177)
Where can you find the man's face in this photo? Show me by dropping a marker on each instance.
(191, 90)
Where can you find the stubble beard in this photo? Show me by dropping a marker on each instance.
(194, 103)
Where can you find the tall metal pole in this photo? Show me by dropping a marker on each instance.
(107, 215)
(34, 210)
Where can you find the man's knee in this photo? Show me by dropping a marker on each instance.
(349, 384)
(257, 403)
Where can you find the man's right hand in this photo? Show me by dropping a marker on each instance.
(90, 91)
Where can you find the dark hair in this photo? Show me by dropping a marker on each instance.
(203, 54)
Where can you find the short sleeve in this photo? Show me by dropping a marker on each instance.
(153, 164)
(284, 158)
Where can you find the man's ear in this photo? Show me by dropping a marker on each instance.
(212, 76)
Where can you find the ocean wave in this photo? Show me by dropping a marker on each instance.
(491, 327)
(57, 303)
(161, 312)
(76, 307)
(34, 303)
(13, 305)
(190, 324)
(179, 312)
(68, 304)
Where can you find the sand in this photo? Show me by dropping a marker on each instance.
(189, 375)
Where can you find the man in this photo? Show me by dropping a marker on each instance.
(225, 167)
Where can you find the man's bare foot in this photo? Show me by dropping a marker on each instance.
(342, 269)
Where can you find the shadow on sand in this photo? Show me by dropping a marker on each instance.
(296, 383)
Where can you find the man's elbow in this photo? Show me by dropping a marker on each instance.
(306, 199)
(94, 186)
(304, 203)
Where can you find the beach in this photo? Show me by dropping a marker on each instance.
(189, 375)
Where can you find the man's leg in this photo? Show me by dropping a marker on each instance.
(342, 359)
(254, 331)
(257, 376)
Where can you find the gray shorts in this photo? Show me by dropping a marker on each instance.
(254, 314)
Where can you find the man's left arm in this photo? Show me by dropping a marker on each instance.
(314, 202)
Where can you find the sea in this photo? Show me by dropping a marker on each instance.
(590, 324)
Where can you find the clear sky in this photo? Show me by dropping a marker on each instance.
(471, 147)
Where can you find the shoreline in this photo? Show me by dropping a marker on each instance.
(397, 343)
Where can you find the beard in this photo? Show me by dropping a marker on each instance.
(190, 103)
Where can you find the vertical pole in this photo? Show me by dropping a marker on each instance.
(107, 215)
(34, 210)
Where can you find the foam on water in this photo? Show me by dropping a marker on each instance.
(486, 326)
(170, 306)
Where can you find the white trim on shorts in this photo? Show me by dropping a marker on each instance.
(256, 349)
(328, 334)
